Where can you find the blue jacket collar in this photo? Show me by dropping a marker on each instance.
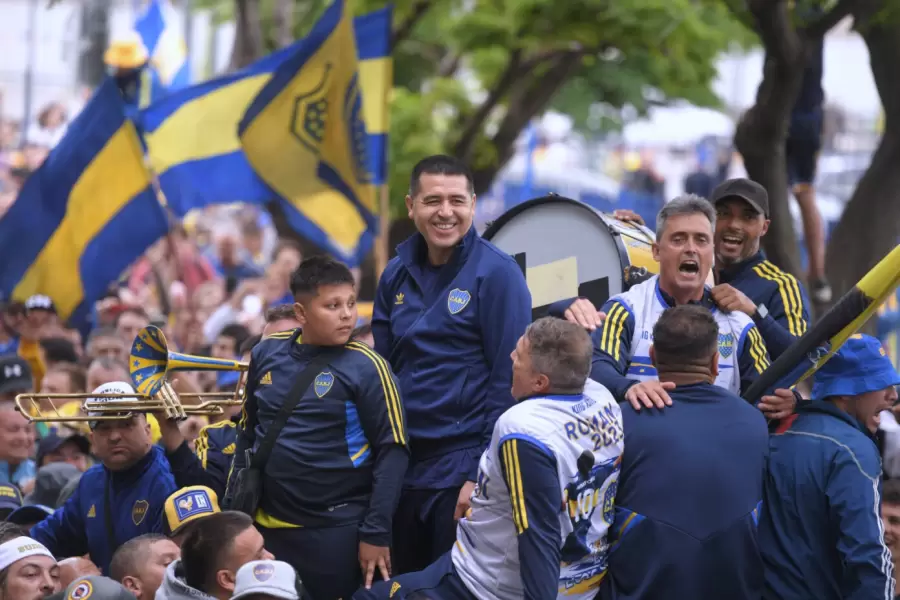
(413, 252)
(732, 272)
(828, 408)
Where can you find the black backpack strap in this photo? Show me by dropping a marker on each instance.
(304, 380)
(108, 510)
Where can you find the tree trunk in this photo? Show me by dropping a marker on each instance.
(248, 38)
(283, 16)
(870, 225)
(94, 42)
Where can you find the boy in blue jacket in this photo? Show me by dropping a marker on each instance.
(117, 500)
(821, 534)
(448, 312)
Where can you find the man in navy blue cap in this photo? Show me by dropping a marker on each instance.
(820, 529)
(10, 499)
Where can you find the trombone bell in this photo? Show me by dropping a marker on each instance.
(151, 361)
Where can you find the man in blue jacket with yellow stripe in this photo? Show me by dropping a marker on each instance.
(448, 312)
(117, 500)
(820, 531)
(746, 281)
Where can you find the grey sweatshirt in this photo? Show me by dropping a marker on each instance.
(174, 588)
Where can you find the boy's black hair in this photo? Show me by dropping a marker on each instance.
(316, 271)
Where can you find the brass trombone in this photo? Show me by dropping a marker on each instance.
(149, 364)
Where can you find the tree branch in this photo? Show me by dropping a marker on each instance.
(473, 124)
(449, 65)
(405, 28)
(824, 24)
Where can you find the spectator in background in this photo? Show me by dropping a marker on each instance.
(28, 570)
(267, 579)
(105, 342)
(64, 378)
(15, 377)
(280, 318)
(29, 515)
(187, 506)
(73, 449)
(50, 481)
(890, 516)
(52, 123)
(74, 568)
(140, 564)
(41, 312)
(130, 322)
(105, 369)
(212, 553)
(16, 445)
(230, 260)
(55, 351)
(802, 148)
(10, 500)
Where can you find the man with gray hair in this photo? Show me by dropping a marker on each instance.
(684, 250)
(559, 446)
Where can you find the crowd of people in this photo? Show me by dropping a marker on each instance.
(445, 446)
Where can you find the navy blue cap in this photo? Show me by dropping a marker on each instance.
(10, 496)
(29, 514)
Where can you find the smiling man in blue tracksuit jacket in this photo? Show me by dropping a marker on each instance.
(746, 281)
(448, 312)
(820, 531)
(115, 501)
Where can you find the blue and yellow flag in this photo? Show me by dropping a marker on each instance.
(161, 35)
(192, 134)
(85, 215)
(376, 79)
(305, 136)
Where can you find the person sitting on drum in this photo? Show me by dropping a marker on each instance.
(684, 250)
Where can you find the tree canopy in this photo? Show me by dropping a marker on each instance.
(469, 76)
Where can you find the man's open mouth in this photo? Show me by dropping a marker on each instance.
(732, 240)
(689, 266)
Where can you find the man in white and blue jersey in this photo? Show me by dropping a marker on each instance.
(546, 486)
(684, 250)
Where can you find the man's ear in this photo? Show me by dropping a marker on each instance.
(133, 585)
(409, 206)
(225, 580)
(655, 249)
(653, 356)
(541, 383)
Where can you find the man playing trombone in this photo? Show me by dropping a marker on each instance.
(120, 498)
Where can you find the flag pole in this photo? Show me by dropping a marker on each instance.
(382, 243)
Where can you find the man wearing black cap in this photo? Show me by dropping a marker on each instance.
(15, 377)
(16, 433)
(746, 281)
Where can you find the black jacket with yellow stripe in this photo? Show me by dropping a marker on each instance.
(343, 453)
(782, 295)
(210, 462)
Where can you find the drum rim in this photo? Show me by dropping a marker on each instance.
(495, 225)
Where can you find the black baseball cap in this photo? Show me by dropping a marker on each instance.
(54, 441)
(15, 375)
(746, 189)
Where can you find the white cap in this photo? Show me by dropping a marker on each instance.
(113, 387)
(272, 578)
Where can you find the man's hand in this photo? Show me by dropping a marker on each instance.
(628, 216)
(779, 406)
(650, 394)
(583, 312)
(731, 299)
(374, 556)
(464, 501)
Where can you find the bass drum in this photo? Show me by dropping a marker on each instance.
(567, 249)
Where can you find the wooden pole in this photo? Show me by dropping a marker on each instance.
(382, 244)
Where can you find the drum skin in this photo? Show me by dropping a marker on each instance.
(568, 249)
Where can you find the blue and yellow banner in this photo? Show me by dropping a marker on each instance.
(192, 135)
(85, 215)
(305, 136)
(164, 41)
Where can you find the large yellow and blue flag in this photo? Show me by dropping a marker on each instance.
(85, 215)
(169, 68)
(305, 136)
(192, 134)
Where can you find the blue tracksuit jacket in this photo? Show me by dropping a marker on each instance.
(448, 333)
(688, 499)
(211, 464)
(821, 534)
(137, 497)
(781, 294)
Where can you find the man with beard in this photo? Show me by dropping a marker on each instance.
(747, 282)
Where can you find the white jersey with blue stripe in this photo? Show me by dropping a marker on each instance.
(583, 434)
(645, 303)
